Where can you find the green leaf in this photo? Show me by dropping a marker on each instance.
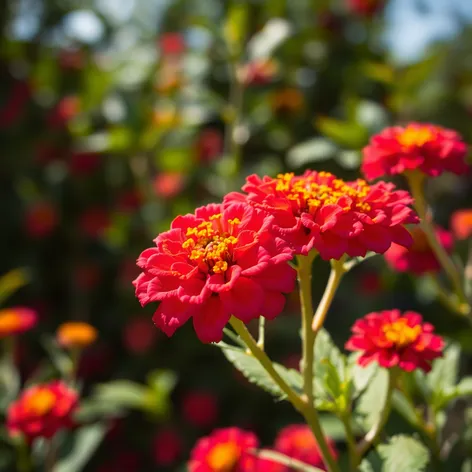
(462, 389)
(403, 453)
(11, 282)
(161, 383)
(365, 466)
(59, 358)
(345, 133)
(313, 150)
(403, 406)
(86, 441)
(235, 28)
(361, 376)
(9, 382)
(372, 400)
(249, 366)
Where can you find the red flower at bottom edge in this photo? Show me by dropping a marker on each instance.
(394, 339)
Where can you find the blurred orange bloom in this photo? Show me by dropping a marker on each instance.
(287, 101)
(461, 223)
(16, 320)
(76, 334)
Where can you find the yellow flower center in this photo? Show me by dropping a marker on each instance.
(400, 333)
(415, 136)
(304, 440)
(40, 402)
(210, 246)
(311, 193)
(10, 321)
(224, 457)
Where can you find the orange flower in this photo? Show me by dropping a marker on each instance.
(16, 320)
(287, 101)
(461, 223)
(76, 334)
(42, 410)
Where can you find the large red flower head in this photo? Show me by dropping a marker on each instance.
(319, 211)
(297, 441)
(394, 339)
(224, 450)
(419, 259)
(16, 320)
(214, 264)
(461, 223)
(424, 147)
(42, 410)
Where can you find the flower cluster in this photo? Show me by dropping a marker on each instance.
(427, 148)
(42, 410)
(394, 339)
(213, 264)
(319, 211)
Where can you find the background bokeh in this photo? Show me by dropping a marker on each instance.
(116, 116)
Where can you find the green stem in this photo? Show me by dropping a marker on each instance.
(373, 434)
(23, 458)
(354, 458)
(445, 298)
(261, 338)
(416, 182)
(308, 411)
(51, 454)
(280, 458)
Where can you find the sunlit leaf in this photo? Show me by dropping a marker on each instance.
(404, 453)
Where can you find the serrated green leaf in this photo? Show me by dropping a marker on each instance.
(249, 366)
(86, 441)
(462, 389)
(372, 400)
(403, 453)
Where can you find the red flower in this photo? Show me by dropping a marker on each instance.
(461, 223)
(258, 72)
(200, 408)
(267, 465)
(419, 259)
(169, 184)
(319, 211)
(16, 320)
(424, 147)
(42, 410)
(224, 450)
(130, 200)
(297, 441)
(172, 44)
(84, 163)
(18, 97)
(137, 337)
(64, 111)
(209, 145)
(214, 264)
(95, 221)
(366, 8)
(167, 447)
(393, 339)
(41, 219)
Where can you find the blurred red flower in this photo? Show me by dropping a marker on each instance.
(139, 335)
(72, 59)
(87, 275)
(217, 261)
(130, 200)
(427, 148)
(126, 461)
(461, 223)
(18, 97)
(209, 145)
(95, 361)
(297, 441)
(370, 283)
(394, 339)
(64, 111)
(84, 163)
(200, 408)
(319, 211)
(42, 410)
(95, 221)
(41, 219)
(258, 72)
(365, 8)
(418, 259)
(224, 450)
(16, 320)
(167, 447)
(46, 153)
(169, 184)
(172, 44)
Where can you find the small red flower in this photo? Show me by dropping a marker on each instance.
(224, 450)
(167, 447)
(95, 221)
(419, 259)
(15, 105)
(297, 441)
(42, 410)
(138, 338)
(169, 184)
(461, 223)
(428, 148)
(172, 44)
(258, 72)
(319, 211)
(64, 111)
(84, 163)
(366, 8)
(214, 264)
(41, 219)
(200, 408)
(16, 320)
(209, 145)
(394, 339)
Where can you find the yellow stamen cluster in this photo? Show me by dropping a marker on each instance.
(209, 245)
(312, 192)
(223, 457)
(415, 136)
(400, 333)
(40, 402)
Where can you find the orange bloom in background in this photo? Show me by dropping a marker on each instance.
(418, 259)
(42, 410)
(258, 72)
(224, 450)
(169, 77)
(287, 101)
(169, 184)
(393, 339)
(365, 8)
(461, 223)
(41, 219)
(427, 148)
(76, 335)
(16, 320)
(166, 117)
(297, 441)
